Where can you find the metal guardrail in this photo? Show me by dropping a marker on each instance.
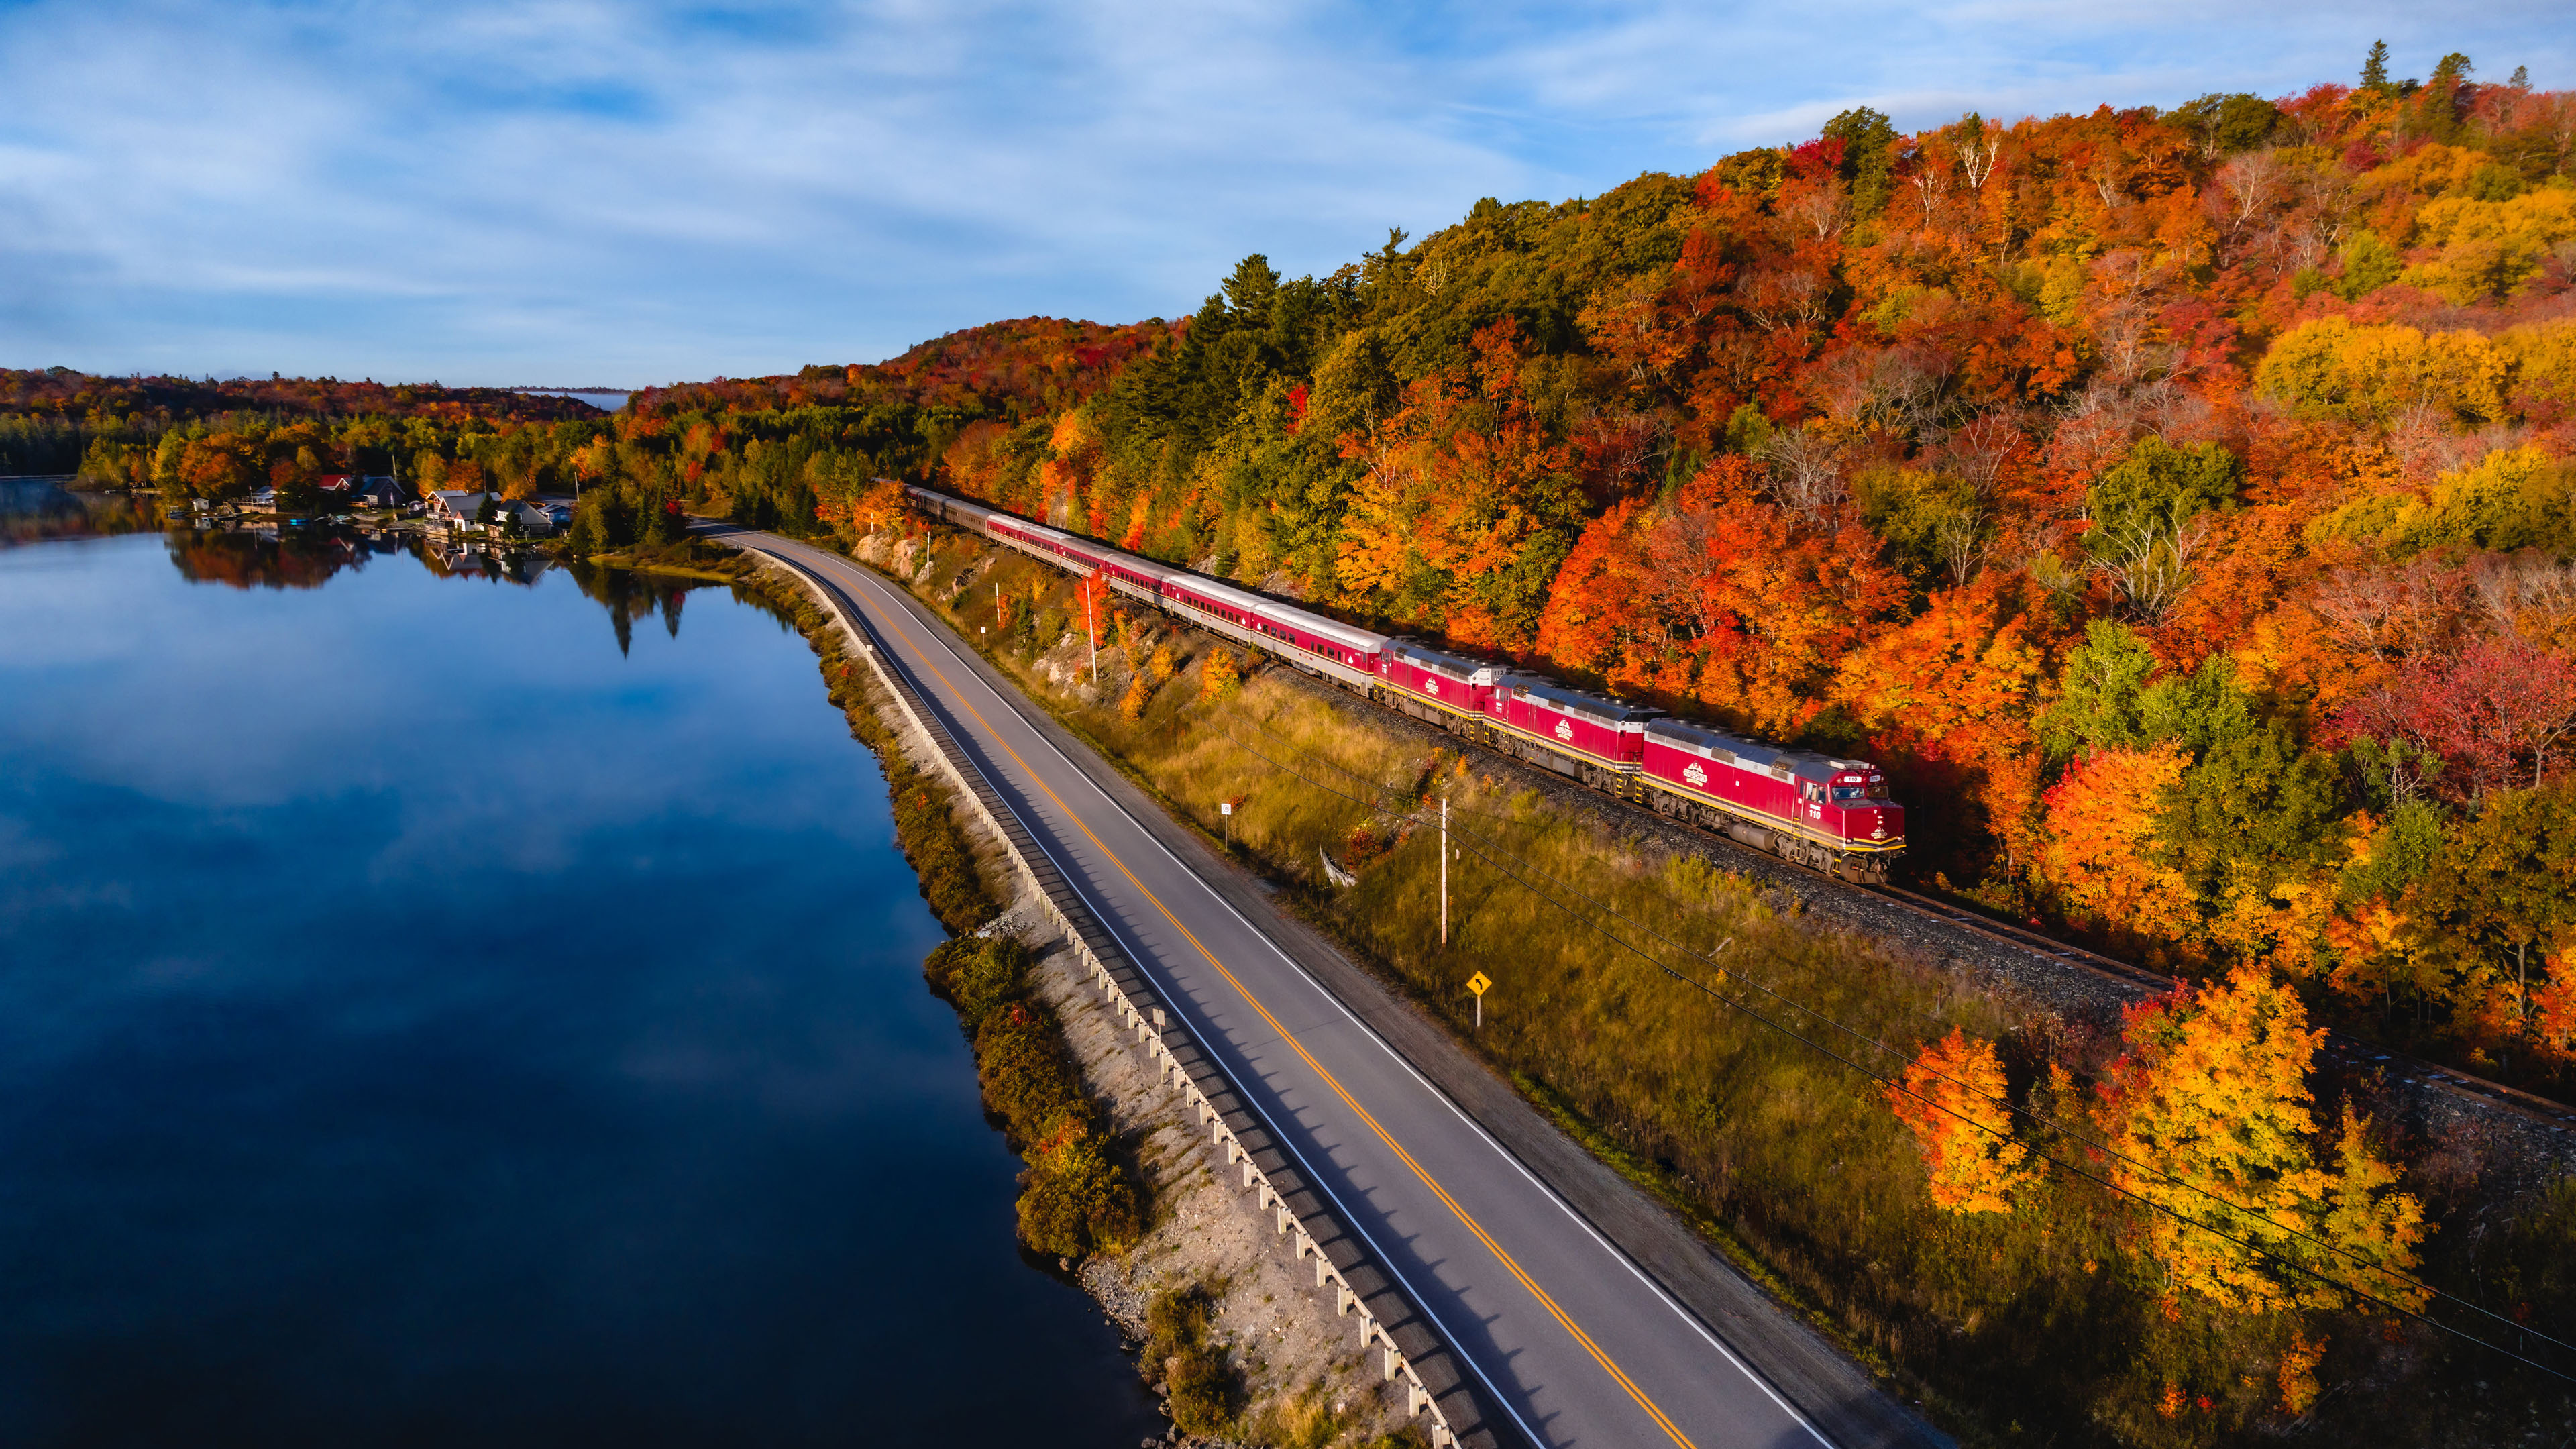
(1299, 1211)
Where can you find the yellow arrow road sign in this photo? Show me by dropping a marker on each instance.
(1477, 983)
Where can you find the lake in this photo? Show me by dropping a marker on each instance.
(607, 402)
(451, 1002)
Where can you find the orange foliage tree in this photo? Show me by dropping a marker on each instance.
(1948, 699)
(2099, 854)
(1951, 1097)
(1462, 511)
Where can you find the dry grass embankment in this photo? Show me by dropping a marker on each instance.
(2045, 1325)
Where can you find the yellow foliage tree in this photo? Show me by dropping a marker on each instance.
(2430, 170)
(2490, 248)
(2512, 498)
(2544, 355)
(1072, 458)
(2208, 1118)
(1951, 1097)
(2372, 372)
(1219, 676)
(2298, 1372)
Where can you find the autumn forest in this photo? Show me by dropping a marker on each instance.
(2179, 504)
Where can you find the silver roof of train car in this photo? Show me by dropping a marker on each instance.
(1451, 666)
(1206, 587)
(1145, 566)
(1575, 701)
(1706, 742)
(1334, 629)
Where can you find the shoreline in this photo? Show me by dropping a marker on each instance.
(1297, 1381)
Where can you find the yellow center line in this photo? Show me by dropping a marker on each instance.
(1500, 1255)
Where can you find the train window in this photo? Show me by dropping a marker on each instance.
(1861, 792)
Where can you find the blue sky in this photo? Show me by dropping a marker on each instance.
(579, 192)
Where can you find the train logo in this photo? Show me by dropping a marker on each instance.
(1878, 832)
(1431, 686)
(1565, 730)
(1695, 775)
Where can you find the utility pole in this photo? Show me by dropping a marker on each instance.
(1093, 624)
(1444, 885)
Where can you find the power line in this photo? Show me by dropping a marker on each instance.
(2018, 1110)
(2428, 1289)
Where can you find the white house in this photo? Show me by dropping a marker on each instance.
(456, 510)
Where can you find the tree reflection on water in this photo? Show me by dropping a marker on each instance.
(306, 557)
(33, 510)
(628, 596)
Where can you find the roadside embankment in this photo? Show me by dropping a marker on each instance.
(1123, 1191)
(1720, 1038)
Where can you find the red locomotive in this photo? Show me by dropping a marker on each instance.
(1834, 815)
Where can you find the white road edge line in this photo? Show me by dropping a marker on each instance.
(1577, 1218)
(1108, 922)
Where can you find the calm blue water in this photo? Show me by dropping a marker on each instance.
(422, 1022)
(607, 402)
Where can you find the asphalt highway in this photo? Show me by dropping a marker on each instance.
(1574, 1342)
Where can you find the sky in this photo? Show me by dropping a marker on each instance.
(582, 193)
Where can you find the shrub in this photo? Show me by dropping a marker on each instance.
(1028, 1082)
(1194, 1373)
(1075, 1201)
(937, 848)
(978, 977)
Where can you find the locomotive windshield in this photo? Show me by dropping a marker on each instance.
(1874, 791)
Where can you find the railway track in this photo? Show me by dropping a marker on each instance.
(2346, 1051)
(2350, 1053)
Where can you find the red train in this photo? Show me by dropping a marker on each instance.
(1831, 814)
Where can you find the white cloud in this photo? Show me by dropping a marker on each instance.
(585, 192)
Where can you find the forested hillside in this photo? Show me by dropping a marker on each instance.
(2176, 502)
(56, 420)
